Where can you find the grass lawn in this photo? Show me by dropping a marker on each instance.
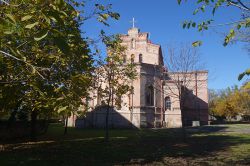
(208, 145)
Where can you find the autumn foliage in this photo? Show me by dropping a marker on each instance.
(229, 103)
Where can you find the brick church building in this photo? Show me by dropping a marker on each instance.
(153, 103)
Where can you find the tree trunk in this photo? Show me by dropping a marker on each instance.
(184, 135)
(107, 125)
(182, 116)
(107, 117)
(33, 125)
(66, 125)
(108, 109)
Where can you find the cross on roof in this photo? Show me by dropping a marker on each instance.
(133, 22)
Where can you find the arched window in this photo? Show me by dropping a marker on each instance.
(140, 58)
(167, 103)
(124, 58)
(133, 43)
(132, 58)
(150, 95)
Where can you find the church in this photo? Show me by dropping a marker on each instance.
(154, 102)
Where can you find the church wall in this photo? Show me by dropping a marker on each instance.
(97, 119)
(173, 119)
(149, 56)
(117, 119)
(138, 43)
(147, 112)
(198, 111)
(147, 115)
(196, 107)
(137, 89)
(172, 116)
(152, 114)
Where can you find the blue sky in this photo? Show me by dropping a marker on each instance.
(163, 19)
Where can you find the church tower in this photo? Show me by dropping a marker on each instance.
(146, 102)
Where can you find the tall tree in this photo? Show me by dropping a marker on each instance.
(182, 63)
(115, 77)
(42, 51)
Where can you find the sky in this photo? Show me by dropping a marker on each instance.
(163, 20)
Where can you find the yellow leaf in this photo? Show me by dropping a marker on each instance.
(29, 26)
(26, 18)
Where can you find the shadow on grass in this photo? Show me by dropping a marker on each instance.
(146, 146)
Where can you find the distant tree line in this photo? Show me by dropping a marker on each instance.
(230, 103)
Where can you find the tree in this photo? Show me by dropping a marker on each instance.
(43, 54)
(242, 23)
(182, 63)
(212, 101)
(114, 77)
(229, 103)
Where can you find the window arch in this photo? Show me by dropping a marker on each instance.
(124, 59)
(132, 58)
(133, 43)
(140, 58)
(167, 103)
(150, 96)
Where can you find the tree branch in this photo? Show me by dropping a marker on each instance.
(33, 67)
(242, 4)
(242, 7)
(5, 2)
(229, 23)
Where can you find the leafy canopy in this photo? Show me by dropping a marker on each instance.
(44, 58)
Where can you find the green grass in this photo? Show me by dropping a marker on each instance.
(208, 145)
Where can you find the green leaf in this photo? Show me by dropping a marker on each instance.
(214, 9)
(197, 43)
(60, 98)
(203, 8)
(11, 17)
(41, 35)
(30, 26)
(8, 32)
(238, 26)
(184, 25)
(196, 11)
(115, 15)
(229, 37)
(25, 18)
(55, 16)
(62, 44)
(247, 23)
(247, 72)
(209, 21)
(1, 58)
(199, 1)
(104, 16)
(62, 109)
(199, 27)
(33, 70)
